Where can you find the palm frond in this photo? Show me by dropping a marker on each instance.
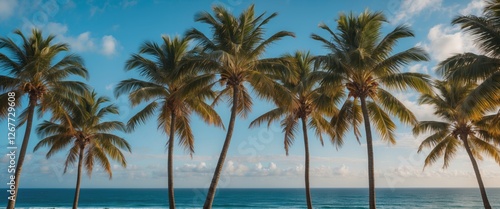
(392, 105)
(382, 122)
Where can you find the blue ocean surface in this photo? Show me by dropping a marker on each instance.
(256, 198)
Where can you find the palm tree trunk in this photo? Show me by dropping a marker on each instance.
(24, 147)
(369, 146)
(306, 146)
(218, 170)
(171, 199)
(486, 202)
(78, 178)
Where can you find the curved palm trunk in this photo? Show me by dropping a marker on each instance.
(171, 199)
(369, 146)
(78, 179)
(486, 202)
(215, 179)
(306, 146)
(24, 147)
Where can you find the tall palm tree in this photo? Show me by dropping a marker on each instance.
(457, 129)
(171, 93)
(485, 67)
(90, 138)
(35, 69)
(361, 58)
(233, 53)
(309, 103)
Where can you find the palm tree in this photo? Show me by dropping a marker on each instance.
(233, 53)
(457, 129)
(485, 67)
(35, 70)
(170, 92)
(310, 104)
(90, 138)
(361, 59)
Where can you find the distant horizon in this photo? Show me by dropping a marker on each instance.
(273, 188)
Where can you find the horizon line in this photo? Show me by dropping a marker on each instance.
(264, 188)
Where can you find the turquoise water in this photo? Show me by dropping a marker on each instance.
(255, 198)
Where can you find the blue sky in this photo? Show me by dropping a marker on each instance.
(106, 33)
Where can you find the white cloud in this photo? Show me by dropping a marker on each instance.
(56, 28)
(260, 169)
(475, 7)
(7, 8)
(444, 42)
(236, 169)
(411, 8)
(84, 42)
(128, 3)
(110, 86)
(341, 171)
(419, 68)
(81, 43)
(200, 168)
(109, 44)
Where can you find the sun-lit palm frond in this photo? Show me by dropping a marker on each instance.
(71, 157)
(245, 103)
(482, 68)
(349, 116)
(484, 147)
(393, 106)
(403, 81)
(109, 126)
(270, 116)
(206, 112)
(289, 125)
(391, 64)
(47, 128)
(386, 45)
(485, 97)
(115, 140)
(321, 126)
(468, 67)
(432, 140)
(112, 152)
(437, 151)
(60, 141)
(484, 30)
(382, 122)
(185, 133)
(423, 127)
(450, 151)
(132, 85)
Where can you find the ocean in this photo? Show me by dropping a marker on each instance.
(256, 198)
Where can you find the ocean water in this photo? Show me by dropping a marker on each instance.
(256, 198)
